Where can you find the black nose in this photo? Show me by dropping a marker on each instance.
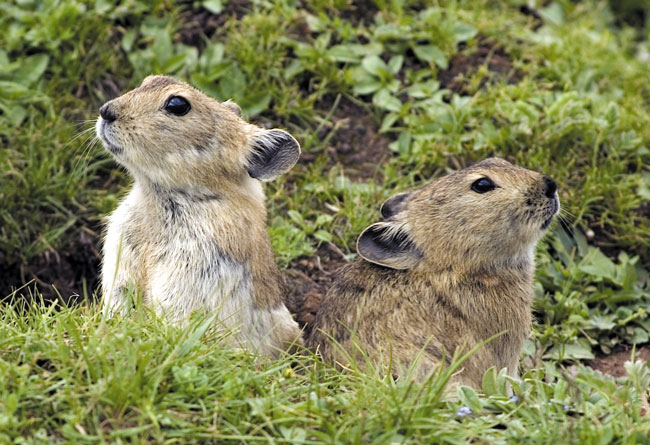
(550, 187)
(107, 113)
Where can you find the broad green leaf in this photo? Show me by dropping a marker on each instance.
(385, 100)
(323, 219)
(323, 235)
(597, 264)
(367, 87)
(211, 56)
(464, 32)
(255, 103)
(31, 69)
(575, 351)
(214, 6)
(469, 398)
(395, 64)
(374, 65)
(554, 13)
(431, 54)
(388, 121)
(296, 216)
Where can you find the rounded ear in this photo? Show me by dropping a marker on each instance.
(272, 153)
(388, 244)
(394, 204)
(232, 106)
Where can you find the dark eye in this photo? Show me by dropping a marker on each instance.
(177, 105)
(483, 185)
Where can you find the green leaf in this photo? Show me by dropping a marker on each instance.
(296, 217)
(367, 87)
(295, 67)
(431, 54)
(388, 121)
(383, 99)
(129, 39)
(469, 398)
(211, 56)
(554, 14)
(12, 90)
(595, 263)
(423, 89)
(395, 64)
(575, 351)
(255, 103)
(644, 188)
(214, 6)
(374, 65)
(323, 235)
(464, 32)
(489, 384)
(233, 84)
(603, 322)
(31, 69)
(323, 219)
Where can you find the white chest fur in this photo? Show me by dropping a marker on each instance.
(165, 251)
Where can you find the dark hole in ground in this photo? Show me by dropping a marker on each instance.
(613, 364)
(199, 22)
(354, 140)
(57, 274)
(308, 280)
(465, 64)
(357, 12)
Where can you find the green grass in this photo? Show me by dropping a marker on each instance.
(574, 104)
(66, 374)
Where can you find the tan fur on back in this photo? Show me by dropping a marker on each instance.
(191, 233)
(473, 278)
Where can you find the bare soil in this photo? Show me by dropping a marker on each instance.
(308, 280)
(355, 145)
(613, 364)
(360, 11)
(466, 63)
(199, 23)
(57, 274)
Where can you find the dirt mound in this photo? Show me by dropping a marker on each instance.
(613, 364)
(355, 143)
(464, 65)
(62, 274)
(308, 280)
(199, 23)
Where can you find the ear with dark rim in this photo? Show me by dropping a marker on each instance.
(272, 153)
(388, 244)
(232, 106)
(394, 204)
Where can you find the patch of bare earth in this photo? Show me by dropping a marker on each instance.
(465, 64)
(354, 143)
(200, 23)
(60, 274)
(613, 364)
(308, 280)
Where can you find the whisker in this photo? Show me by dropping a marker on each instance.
(86, 147)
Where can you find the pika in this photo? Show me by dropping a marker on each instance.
(191, 233)
(450, 266)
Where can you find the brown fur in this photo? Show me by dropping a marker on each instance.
(462, 272)
(196, 206)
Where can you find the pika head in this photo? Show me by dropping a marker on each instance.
(490, 214)
(176, 136)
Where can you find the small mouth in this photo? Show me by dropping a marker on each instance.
(101, 132)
